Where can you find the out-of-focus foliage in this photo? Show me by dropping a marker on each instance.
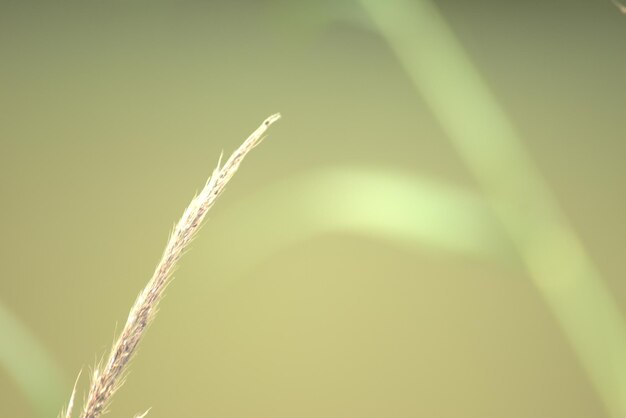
(30, 364)
(380, 203)
(484, 136)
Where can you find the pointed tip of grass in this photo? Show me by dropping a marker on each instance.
(272, 119)
(144, 414)
(70, 405)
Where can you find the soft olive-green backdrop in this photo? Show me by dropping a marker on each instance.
(361, 263)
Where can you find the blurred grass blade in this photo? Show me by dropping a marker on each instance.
(459, 98)
(403, 209)
(37, 375)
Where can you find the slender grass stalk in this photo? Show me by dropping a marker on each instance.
(108, 378)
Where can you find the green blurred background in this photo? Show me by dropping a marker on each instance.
(434, 229)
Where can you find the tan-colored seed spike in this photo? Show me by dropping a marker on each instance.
(107, 379)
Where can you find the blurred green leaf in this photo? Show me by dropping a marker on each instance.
(400, 208)
(461, 100)
(30, 365)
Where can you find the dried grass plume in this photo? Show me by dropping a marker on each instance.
(106, 379)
